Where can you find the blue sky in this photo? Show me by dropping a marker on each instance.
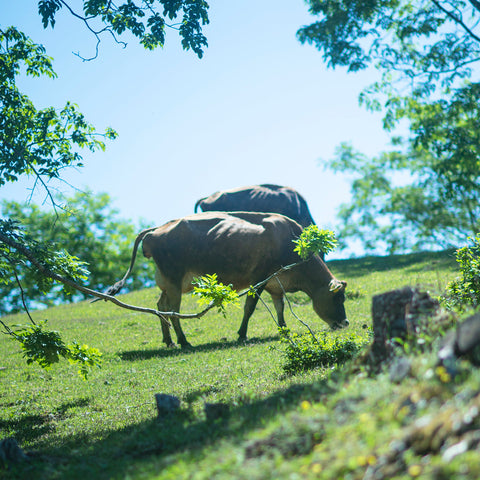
(258, 108)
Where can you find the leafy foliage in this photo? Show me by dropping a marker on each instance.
(313, 240)
(422, 44)
(45, 347)
(210, 290)
(144, 19)
(38, 143)
(308, 351)
(88, 227)
(58, 261)
(424, 52)
(464, 292)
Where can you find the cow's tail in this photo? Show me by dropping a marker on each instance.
(198, 204)
(114, 289)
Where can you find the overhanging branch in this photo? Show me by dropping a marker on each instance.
(163, 316)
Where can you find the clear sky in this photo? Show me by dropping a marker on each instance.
(258, 108)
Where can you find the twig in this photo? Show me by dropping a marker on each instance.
(22, 295)
(273, 275)
(295, 315)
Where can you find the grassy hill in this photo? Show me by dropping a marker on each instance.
(323, 423)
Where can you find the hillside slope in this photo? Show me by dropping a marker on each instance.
(324, 423)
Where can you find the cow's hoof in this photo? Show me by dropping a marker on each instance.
(171, 345)
(242, 340)
(187, 346)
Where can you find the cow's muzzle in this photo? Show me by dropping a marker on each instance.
(344, 323)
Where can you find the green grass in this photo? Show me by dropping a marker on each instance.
(336, 425)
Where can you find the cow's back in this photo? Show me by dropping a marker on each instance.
(260, 198)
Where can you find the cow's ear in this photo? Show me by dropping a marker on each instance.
(335, 285)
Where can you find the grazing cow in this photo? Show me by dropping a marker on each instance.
(259, 198)
(242, 248)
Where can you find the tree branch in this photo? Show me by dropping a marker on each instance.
(458, 20)
(475, 4)
(163, 316)
(97, 33)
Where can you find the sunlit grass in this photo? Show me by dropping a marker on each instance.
(107, 427)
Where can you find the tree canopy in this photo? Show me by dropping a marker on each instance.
(425, 192)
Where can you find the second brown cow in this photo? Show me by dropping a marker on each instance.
(259, 198)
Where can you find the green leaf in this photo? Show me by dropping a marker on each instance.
(314, 240)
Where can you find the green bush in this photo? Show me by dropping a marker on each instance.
(325, 349)
(464, 291)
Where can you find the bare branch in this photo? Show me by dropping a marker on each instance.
(97, 33)
(295, 315)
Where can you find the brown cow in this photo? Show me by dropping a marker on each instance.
(242, 248)
(259, 198)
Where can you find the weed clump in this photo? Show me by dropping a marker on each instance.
(307, 351)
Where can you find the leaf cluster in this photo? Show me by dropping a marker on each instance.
(46, 347)
(37, 142)
(314, 240)
(306, 351)
(464, 292)
(88, 227)
(417, 42)
(211, 291)
(144, 19)
(426, 192)
(58, 261)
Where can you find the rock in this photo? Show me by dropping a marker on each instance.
(463, 341)
(398, 314)
(10, 452)
(400, 369)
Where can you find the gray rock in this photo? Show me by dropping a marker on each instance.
(400, 369)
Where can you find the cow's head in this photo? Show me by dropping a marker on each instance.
(329, 304)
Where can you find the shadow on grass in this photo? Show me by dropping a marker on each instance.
(154, 444)
(134, 355)
(32, 427)
(420, 261)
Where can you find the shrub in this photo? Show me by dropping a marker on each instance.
(464, 291)
(325, 349)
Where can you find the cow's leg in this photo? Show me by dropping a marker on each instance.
(163, 306)
(176, 299)
(279, 304)
(248, 309)
(170, 302)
